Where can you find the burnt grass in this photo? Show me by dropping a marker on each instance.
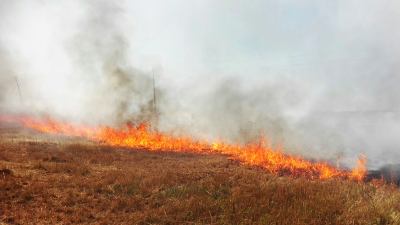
(51, 180)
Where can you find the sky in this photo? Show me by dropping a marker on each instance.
(318, 77)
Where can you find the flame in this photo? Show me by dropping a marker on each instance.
(360, 170)
(141, 137)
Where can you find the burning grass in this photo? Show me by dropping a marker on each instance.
(255, 154)
(72, 181)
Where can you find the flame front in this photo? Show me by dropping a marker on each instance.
(140, 137)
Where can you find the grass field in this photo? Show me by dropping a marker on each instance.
(55, 180)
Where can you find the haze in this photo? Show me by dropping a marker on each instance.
(320, 78)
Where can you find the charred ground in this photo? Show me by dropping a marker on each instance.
(55, 180)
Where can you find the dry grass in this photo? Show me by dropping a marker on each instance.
(73, 181)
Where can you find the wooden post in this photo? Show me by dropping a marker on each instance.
(154, 95)
(19, 89)
(155, 111)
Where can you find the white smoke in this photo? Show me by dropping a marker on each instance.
(318, 77)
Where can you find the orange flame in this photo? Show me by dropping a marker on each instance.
(360, 170)
(255, 154)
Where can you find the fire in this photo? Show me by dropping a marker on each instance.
(360, 170)
(141, 137)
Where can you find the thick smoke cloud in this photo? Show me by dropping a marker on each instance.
(74, 67)
(319, 78)
(100, 47)
(6, 78)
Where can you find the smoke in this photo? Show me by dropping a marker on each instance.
(319, 78)
(100, 48)
(75, 68)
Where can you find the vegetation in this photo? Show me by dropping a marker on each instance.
(70, 181)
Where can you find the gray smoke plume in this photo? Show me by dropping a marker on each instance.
(80, 71)
(318, 78)
(4, 78)
(123, 93)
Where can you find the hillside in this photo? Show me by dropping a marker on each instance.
(54, 180)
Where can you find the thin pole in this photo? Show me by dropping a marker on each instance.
(154, 95)
(155, 113)
(19, 89)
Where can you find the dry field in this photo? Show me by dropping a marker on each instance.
(55, 180)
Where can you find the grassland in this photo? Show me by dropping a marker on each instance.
(54, 180)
